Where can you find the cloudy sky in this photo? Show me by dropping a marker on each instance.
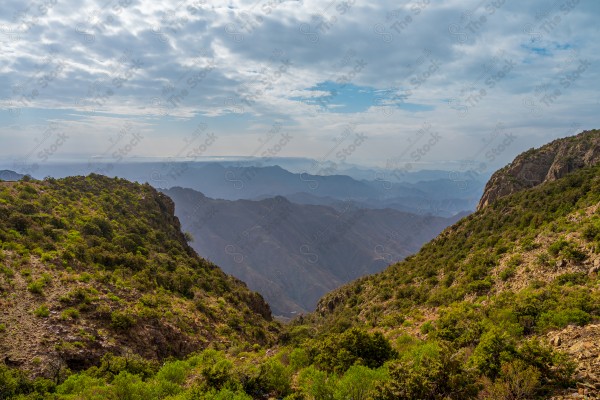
(376, 83)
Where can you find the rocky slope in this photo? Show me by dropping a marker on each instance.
(548, 163)
(91, 265)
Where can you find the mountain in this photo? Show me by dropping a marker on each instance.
(550, 162)
(292, 253)
(8, 175)
(93, 265)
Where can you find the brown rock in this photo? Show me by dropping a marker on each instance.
(548, 163)
(556, 341)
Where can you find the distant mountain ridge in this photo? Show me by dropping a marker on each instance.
(548, 163)
(294, 253)
(8, 175)
(428, 192)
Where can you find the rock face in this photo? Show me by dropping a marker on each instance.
(548, 163)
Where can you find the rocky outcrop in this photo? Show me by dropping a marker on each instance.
(548, 163)
(582, 344)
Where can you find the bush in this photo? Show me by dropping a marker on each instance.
(428, 371)
(507, 273)
(69, 313)
(494, 348)
(517, 381)
(316, 384)
(359, 383)
(36, 287)
(12, 382)
(338, 352)
(42, 311)
(122, 320)
(216, 368)
(559, 319)
(130, 387)
(275, 378)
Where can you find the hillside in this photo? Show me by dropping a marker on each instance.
(93, 265)
(550, 162)
(293, 254)
(525, 266)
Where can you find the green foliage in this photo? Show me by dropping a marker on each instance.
(275, 378)
(12, 383)
(130, 387)
(428, 371)
(122, 320)
(216, 368)
(69, 313)
(338, 352)
(560, 319)
(42, 311)
(299, 358)
(316, 384)
(37, 286)
(567, 249)
(494, 348)
(517, 380)
(359, 383)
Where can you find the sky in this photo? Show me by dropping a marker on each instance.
(430, 84)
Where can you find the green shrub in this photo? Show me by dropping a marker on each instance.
(559, 319)
(42, 311)
(507, 273)
(275, 378)
(574, 278)
(359, 383)
(495, 347)
(517, 380)
(69, 313)
(316, 384)
(215, 368)
(122, 320)
(428, 371)
(591, 232)
(427, 327)
(338, 352)
(36, 287)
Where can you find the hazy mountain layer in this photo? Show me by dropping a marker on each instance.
(293, 254)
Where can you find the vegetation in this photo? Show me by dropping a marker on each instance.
(103, 261)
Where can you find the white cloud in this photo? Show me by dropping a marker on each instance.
(243, 65)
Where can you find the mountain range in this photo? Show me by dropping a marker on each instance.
(438, 193)
(294, 253)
